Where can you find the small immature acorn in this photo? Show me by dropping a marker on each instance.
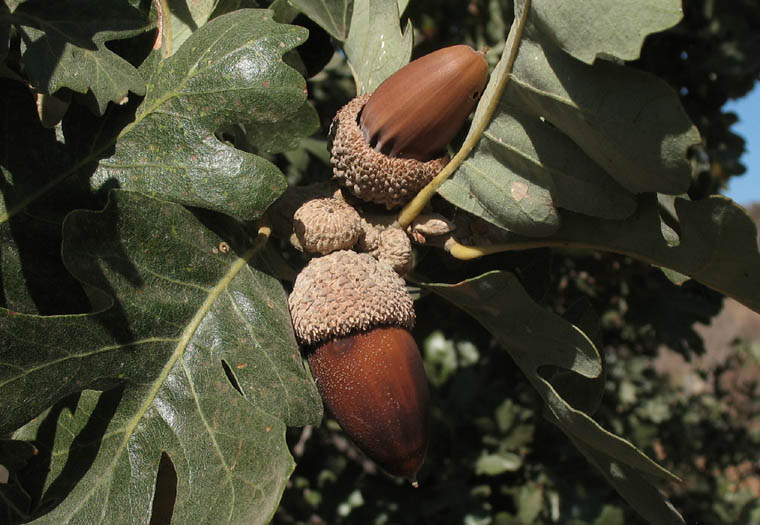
(429, 225)
(325, 225)
(352, 316)
(387, 146)
(390, 245)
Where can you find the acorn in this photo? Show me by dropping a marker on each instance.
(387, 146)
(325, 225)
(390, 245)
(352, 316)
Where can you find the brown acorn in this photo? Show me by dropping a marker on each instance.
(387, 146)
(416, 112)
(352, 316)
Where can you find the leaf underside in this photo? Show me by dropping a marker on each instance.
(570, 135)
(376, 46)
(535, 339)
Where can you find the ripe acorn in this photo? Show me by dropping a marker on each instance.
(352, 315)
(387, 146)
(416, 112)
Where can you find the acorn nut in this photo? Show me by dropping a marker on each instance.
(352, 316)
(416, 112)
(387, 146)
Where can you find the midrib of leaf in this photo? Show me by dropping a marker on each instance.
(179, 350)
(563, 100)
(192, 73)
(329, 14)
(464, 252)
(496, 141)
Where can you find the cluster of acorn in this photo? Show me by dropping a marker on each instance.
(351, 311)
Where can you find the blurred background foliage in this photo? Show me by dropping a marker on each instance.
(684, 392)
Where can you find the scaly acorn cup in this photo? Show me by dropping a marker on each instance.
(387, 146)
(352, 316)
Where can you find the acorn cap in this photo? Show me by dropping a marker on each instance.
(347, 292)
(369, 174)
(325, 225)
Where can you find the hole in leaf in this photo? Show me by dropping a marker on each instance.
(475, 95)
(166, 492)
(231, 377)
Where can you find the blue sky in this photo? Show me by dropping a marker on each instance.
(745, 189)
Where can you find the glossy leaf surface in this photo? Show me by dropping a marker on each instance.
(193, 346)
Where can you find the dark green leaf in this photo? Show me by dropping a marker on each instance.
(15, 502)
(65, 47)
(5, 31)
(230, 458)
(158, 280)
(14, 454)
(284, 135)
(200, 345)
(229, 71)
(227, 6)
(32, 276)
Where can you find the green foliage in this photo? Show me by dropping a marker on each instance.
(554, 142)
(536, 339)
(221, 77)
(148, 368)
(376, 47)
(188, 317)
(334, 17)
(65, 47)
